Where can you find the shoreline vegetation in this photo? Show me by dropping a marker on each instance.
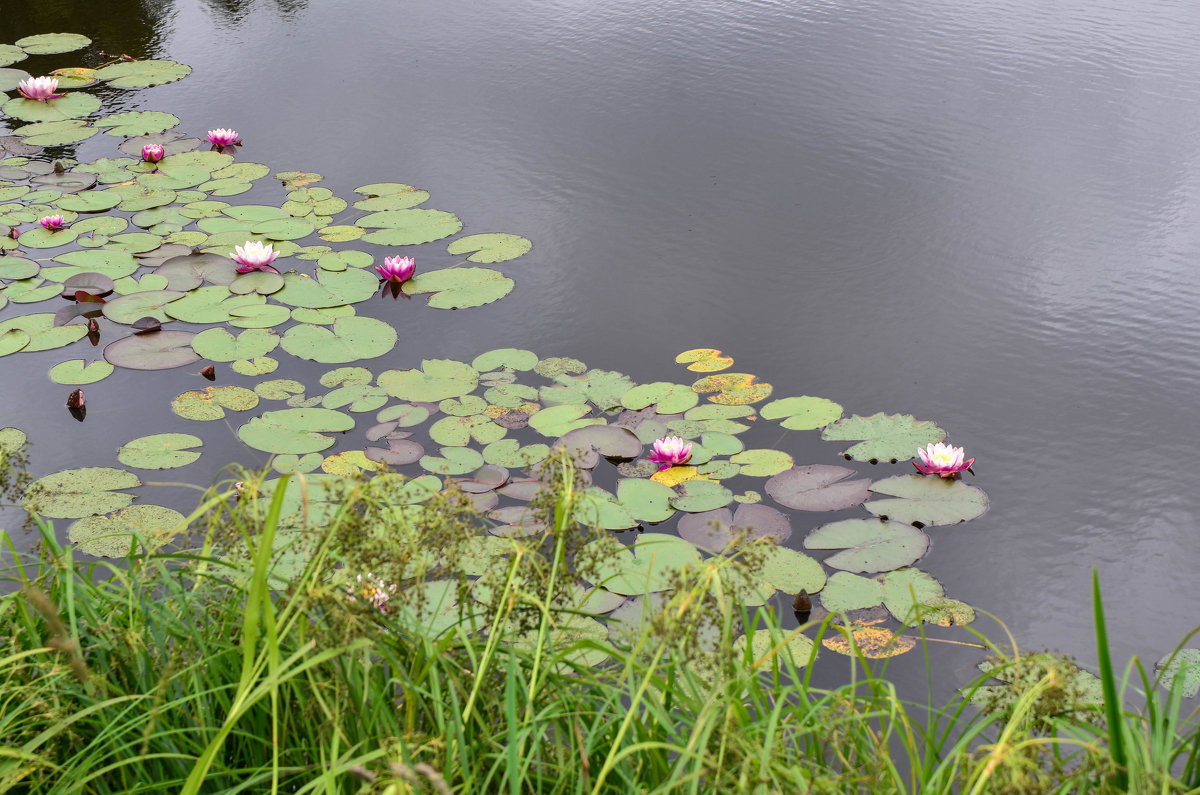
(377, 665)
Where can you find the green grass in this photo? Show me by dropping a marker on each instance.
(201, 671)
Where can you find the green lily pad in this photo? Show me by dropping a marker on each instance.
(258, 316)
(72, 106)
(340, 260)
(279, 389)
(10, 79)
(76, 493)
(788, 570)
(652, 563)
(668, 398)
(259, 282)
(358, 397)
(290, 463)
(557, 421)
(160, 451)
(846, 592)
(733, 389)
(762, 463)
(210, 403)
(89, 201)
(506, 358)
(1183, 663)
(12, 439)
(468, 406)
(696, 496)
(210, 305)
(928, 500)
(645, 499)
(328, 289)
(112, 537)
(437, 379)
(490, 247)
(113, 264)
(11, 54)
(17, 268)
(259, 365)
(76, 372)
(350, 339)
(802, 413)
(45, 238)
(321, 317)
(409, 227)
(453, 461)
(43, 334)
(459, 288)
(161, 350)
(30, 291)
(817, 488)
(869, 545)
(459, 431)
(768, 645)
(296, 431)
(187, 272)
(56, 133)
(510, 453)
(53, 43)
(886, 437)
(340, 233)
(219, 345)
(137, 122)
(142, 74)
(13, 340)
(908, 593)
(599, 509)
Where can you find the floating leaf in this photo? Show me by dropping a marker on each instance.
(817, 488)
(289, 463)
(558, 365)
(704, 360)
(610, 441)
(870, 642)
(668, 398)
(490, 247)
(506, 358)
(135, 306)
(458, 431)
(350, 339)
(162, 350)
(219, 345)
(160, 451)
(646, 500)
(340, 260)
(802, 413)
(409, 227)
(210, 305)
(113, 264)
(75, 372)
(112, 537)
(509, 453)
(210, 403)
(928, 500)
(650, 564)
(557, 421)
(259, 365)
(846, 592)
(453, 461)
(13, 267)
(1183, 663)
(697, 496)
(142, 74)
(359, 397)
(887, 437)
(72, 106)
(56, 133)
(76, 493)
(437, 379)
(768, 645)
(908, 593)
(295, 431)
(715, 530)
(349, 464)
(762, 463)
(458, 288)
(328, 289)
(13, 340)
(53, 43)
(279, 389)
(137, 122)
(43, 334)
(10, 54)
(869, 545)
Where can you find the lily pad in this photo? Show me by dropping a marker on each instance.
(667, 398)
(113, 264)
(52, 43)
(459, 288)
(733, 389)
(846, 592)
(909, 593)
(137, 122)
(219, 345)
(43, 334)
(161, 350)
(762, 463)
(817, 488)
(328, 289)
(490, 247)
(802, 413)
(459, 431)
(697, 496)
(715, 530)
(886, 437)
(453, 461)
(610, 441)
(409, 227)
(1183, 663)
(557, 421)
(928, 500)
(11, 54)
(297, 431)
(135, 306)
(13, 340)
(651, 563)
(56, 133)
(76, 372)
(112, 537)
(646, 500)
(704, 360)
(213, 304)
(72, 106)
(160, 451)
(506, 358)
(509, 453)
(869, 545)
(437, 379)
(350, 339)
(210, 403)
(76, 493)
(142, 74)
(12, 267)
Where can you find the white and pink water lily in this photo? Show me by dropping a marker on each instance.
(223, 137)
(942, 459)
(152, 153)
(53, 223)
(39, 88)
(255, 256)
(397, 269)
(670, 451)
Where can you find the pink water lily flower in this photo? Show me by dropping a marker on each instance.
(254, 256)
(397, 269)
(152, 153)
(942, 459)
(670, 451)
(39, 88)
(53, 223)
(223, 137)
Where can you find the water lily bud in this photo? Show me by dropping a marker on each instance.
(75, 399)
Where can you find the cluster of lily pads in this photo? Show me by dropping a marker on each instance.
(148, 244)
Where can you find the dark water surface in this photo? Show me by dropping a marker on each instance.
(986, 214)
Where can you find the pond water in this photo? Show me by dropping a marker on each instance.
(983, 214)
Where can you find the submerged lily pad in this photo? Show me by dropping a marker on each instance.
(161, 350)
(112, 537)
(76, 493)
(817, 488)
(886, 437)
(160, 451)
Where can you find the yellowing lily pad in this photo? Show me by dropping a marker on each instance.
(210, 403)
(733, 389)
(705, 360)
